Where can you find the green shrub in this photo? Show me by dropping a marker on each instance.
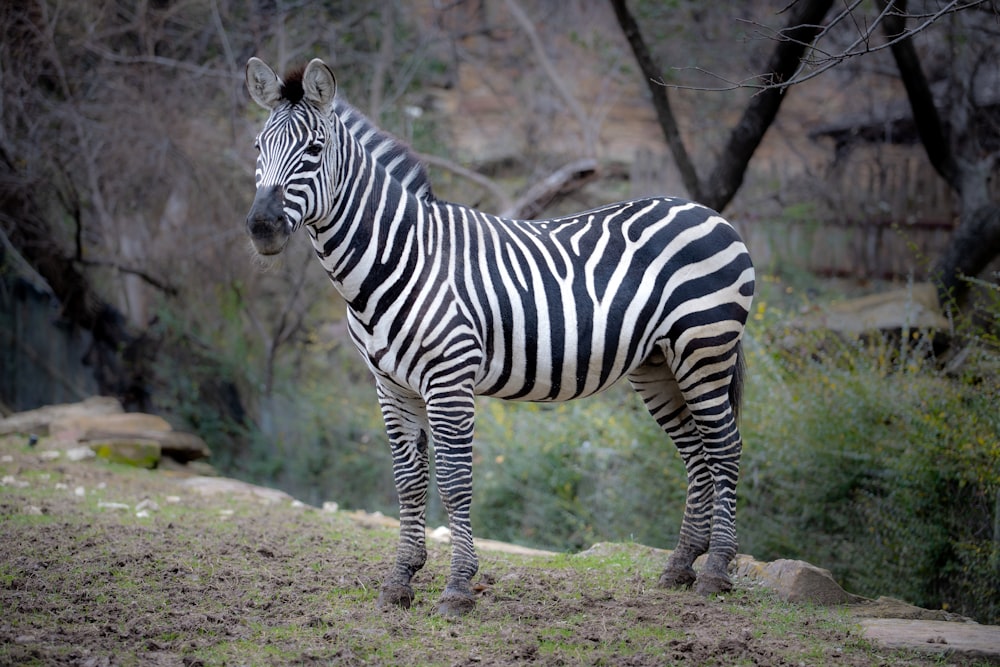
(567, 475)
(866, 459)
(321, 438)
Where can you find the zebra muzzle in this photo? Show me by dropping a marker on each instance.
(266, 223)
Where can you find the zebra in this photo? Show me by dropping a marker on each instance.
(446, 303)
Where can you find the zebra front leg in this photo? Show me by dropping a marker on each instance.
(451, 419)
(411, 473)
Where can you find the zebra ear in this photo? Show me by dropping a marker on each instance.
(319, 84)
(263, 84)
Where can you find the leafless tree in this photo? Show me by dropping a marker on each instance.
(126, 167)
(963, 143)
(963, 146)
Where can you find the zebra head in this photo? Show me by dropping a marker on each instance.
(294, 152)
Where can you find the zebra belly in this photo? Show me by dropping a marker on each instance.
(543, 365)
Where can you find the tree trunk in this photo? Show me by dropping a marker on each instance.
(804, 24)
(976, 241)
(972, 247)
(661, 102)
(918, 91)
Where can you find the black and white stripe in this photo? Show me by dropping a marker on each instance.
(446, 303)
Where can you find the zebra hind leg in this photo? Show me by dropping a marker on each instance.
(711, 387)
(656, 385)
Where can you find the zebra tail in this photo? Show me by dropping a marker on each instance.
(736, 385)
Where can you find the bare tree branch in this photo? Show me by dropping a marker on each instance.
(558, 81)
(817, 61)
(503, 200)
(162, 61)
(567, 178)
(382, 63)
(861, 46)
(164, 287)
(661, 102)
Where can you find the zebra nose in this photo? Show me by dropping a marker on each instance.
(266, 222)
(267, 211)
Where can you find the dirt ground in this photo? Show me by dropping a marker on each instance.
(108, 565)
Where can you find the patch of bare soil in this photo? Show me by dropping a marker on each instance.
(106, 565)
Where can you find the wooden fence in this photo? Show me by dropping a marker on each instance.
(879, 213)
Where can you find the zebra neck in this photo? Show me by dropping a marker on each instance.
(375, 233)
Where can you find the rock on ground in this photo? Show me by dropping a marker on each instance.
(914, 307)
(101, 424)
(949, 638)
(210, 486)
(36, 422)
(794, 580)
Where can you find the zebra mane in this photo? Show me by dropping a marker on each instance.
(399, 160)
(291, 85)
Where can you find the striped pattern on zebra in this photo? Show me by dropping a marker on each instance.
(446, 303)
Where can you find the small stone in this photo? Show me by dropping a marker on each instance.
(147, 505)
(330, 506)
(80, 492)
(80, 453)
(441, 534)
(33, 510)
(112, 506)
(10, 480)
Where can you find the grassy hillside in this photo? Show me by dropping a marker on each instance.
(107, 565)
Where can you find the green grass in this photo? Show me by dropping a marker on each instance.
(277, 585)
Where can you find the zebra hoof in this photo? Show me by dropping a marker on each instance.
(456, 603)
(677, 577)
(395, 595)
(710, 583)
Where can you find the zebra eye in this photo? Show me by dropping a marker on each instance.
(314, 149)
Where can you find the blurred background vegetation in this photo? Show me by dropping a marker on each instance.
(126, 169)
